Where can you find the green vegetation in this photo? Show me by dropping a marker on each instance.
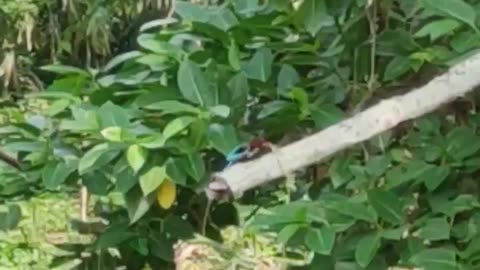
(146, 123)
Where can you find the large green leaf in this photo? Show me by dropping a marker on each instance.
(55, 173)
(96, 157)
(150, 180)
(222, 137)
(138, 204)
(176, 126)
(456, 9)
(136, 157)
(387, 205)
(438, 28)
(194, 85)
(366, 249)
(435, 229)
(435, 259)
(313, 14)
(260, 66)
(112, 115)
(320, 240)
(193, 165)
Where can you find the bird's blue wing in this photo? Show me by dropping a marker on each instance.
(237, 154)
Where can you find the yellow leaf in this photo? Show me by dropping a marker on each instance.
(166, 194)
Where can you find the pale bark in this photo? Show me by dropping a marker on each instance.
(459, 80)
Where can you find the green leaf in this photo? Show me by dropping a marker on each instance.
(157, 23)
(387, 205)
(137, 204)
(435, 259)
(287, 232)
(366, 249)
(438, 28)
(260, 66)
(320, 240)
(119, 59)
(462, 142)
(233, 56)
(223, 18)
(150, 180)
(313, 14)
(64, 70)
(434, 176)
(173, 107)
(113, 115)
(55, 173)
(9, 220)
(113, 236)
(222, 137)
(435, 229)
(136, 157)
(464, 202)
(193, 165)
(153, 141)
(220, 111)
(113, 134)
(175, 172)
(456, 9)
(287, 78)
(191, 12)
(149, 42)
(194, 86)
(239, 88)
(377, 165)
(96, 157)
(176, 126)
(96, 182)
(396, 68)
(405, 173)
(326, 115)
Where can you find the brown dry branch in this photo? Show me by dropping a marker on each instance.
(456, 82)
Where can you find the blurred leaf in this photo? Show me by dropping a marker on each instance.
(150, 180)
(434, 176)
(173, 107)
(96, 157)
(313, 14)
(387, 205)
(456, 9)
(326, 115)
(64, 70)
(260, 66)
(113, 115)
(438, 28)
(396, 68)
(435, 229)
(194, 86)
(462, 142)
(119, 59)
(96, 182)
(55, 173)
(287, 78)
(9, 220)
(435, 258)
(193, 165)
(366, 249)
(176, 126)
(136, 156)
(137, 204)
(222, 137)
(234, 56)
(320, 240)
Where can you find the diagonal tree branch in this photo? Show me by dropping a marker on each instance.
(456, 82)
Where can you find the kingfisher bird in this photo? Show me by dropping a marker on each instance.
(247, 151)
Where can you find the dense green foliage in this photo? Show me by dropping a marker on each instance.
(169, 110)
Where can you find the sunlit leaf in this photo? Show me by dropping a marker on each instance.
(150, 180)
